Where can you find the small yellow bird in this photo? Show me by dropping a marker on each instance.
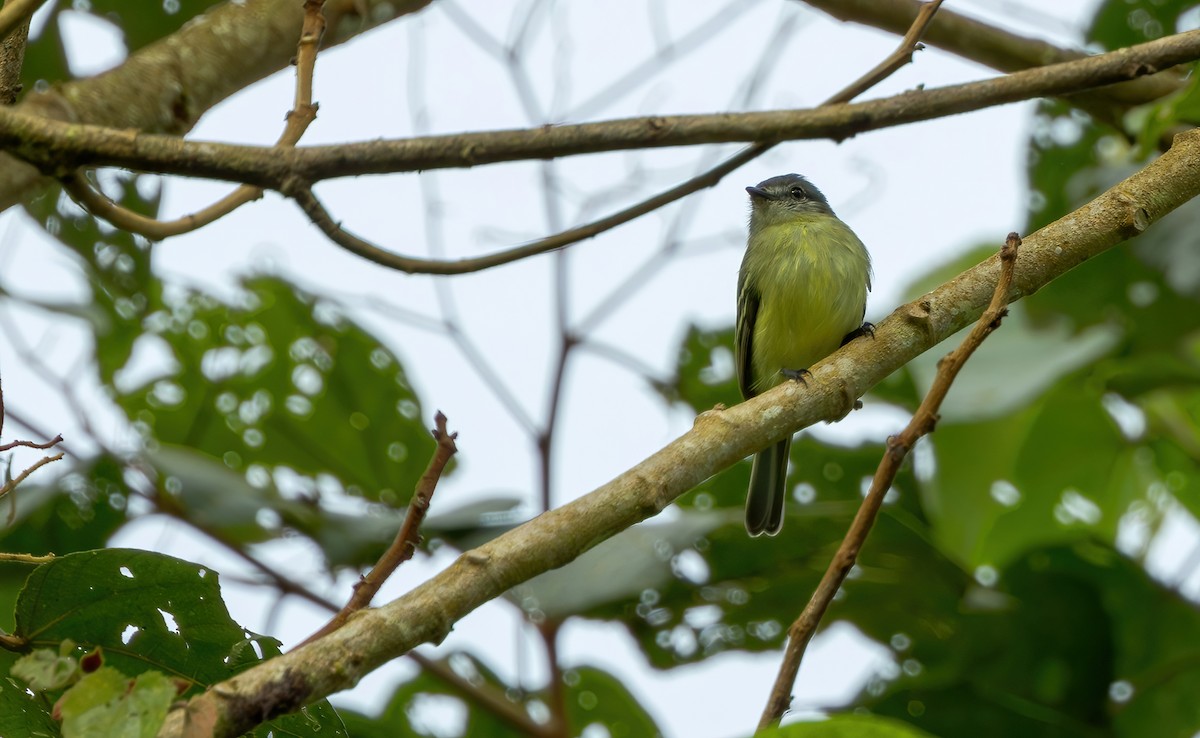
(802, 293)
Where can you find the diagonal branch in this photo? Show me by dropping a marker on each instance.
(719, 439)
(405, 544)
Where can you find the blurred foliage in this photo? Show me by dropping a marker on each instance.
(1006, 574)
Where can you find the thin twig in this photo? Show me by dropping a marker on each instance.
(898, 447)
(31, 444)
(19, 558)
(303, 195)
(12, 483)
(302, 114)
(27, 558)
(407, 538)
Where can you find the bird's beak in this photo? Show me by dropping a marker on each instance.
(759, 193)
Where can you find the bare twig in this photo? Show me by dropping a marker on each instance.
(898, 447)
(19, 558)
(405, 543)
(12, 483)
(302, 114)
(31, 444)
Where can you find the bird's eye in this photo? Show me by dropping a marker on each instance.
(799, 193)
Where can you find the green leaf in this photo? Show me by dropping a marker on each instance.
(104, 705)
(285, 381)
(1071, 642)
(596, 697)
(213, 496)
(150, 612)
(1002, 488)
(848, 726)
(1014, 367)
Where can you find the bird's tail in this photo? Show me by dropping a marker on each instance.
(764, 501)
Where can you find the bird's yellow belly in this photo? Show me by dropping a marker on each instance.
(809, 301)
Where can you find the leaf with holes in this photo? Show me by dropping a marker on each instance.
(150, 612)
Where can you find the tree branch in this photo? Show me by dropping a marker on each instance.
(58, 147)
(14, 33)
(898, 448)
(719, 439)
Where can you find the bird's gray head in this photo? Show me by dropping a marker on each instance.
(784, 197)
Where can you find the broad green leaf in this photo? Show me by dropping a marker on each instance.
(149, 612)
(1071, 641)
(213, 496)
(706, 374)
(1002, 487)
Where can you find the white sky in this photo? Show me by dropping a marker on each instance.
(917, 195)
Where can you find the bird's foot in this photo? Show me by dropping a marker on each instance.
(866, 329)
(797, 375)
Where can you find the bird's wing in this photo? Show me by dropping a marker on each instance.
(743, 337)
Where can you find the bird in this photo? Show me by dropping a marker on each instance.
(801, 294)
